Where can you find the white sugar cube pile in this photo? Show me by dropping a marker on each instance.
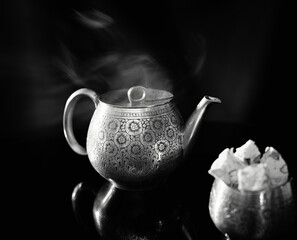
(246, 170)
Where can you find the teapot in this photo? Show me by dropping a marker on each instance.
(136, 137)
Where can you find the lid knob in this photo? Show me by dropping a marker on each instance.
(136, 94)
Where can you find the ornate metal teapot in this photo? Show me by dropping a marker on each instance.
(136, 137)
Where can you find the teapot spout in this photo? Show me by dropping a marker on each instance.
(194, 121)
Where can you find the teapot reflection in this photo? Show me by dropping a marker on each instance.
(132, 215)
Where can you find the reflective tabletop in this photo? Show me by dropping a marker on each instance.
(62, 197)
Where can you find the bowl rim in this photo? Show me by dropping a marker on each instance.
(257, 192)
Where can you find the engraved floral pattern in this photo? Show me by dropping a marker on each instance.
(133, 127)
(135, 149)
(136, 144)
(101, 135)
(110, 148)
(147, 138)
(152, 154)
(113, 125)
(122, 139)
(162, 146)
(136, 166)
(174, 121)
(170, 133)
(157, 125)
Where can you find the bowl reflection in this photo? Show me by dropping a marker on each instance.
(253, 215)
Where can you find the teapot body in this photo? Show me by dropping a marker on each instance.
(135, 147)
(136, 137)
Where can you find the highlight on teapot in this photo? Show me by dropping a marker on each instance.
(246, 169)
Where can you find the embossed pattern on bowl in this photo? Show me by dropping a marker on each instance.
(252, 215)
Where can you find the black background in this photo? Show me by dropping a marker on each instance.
(239, 51)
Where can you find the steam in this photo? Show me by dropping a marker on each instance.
(68, 68)
(122, 70)
(115, 69)
(95, 19)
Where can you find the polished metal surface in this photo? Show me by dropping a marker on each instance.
(136, 137)
(253, 215)
(116, 214)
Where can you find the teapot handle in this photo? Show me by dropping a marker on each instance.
(68, 114)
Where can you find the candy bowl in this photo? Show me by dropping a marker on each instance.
(264, 214)
(252, 196)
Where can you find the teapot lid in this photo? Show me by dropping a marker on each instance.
(137, 96)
